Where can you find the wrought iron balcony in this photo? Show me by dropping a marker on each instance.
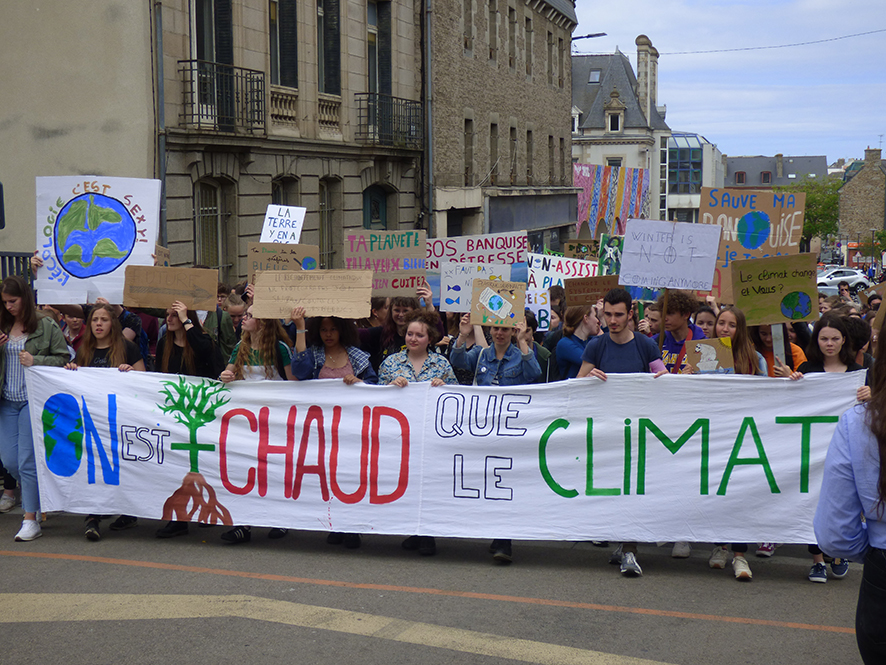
(389, 121)
(221, 97)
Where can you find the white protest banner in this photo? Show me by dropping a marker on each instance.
(538, 301)
(283, 224)
(500, 248)
(457, 282)
(674, 255)
(547, 271)
(89, 228)
(732, 459)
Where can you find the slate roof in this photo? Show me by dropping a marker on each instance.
(615, 72)
(754, 166)
(565, 7)
(857, 166)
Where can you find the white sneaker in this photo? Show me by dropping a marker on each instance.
(742, 569)
(719, 558)
(681, 550)
(629, 565)
(616, 556)
(7, 502)
(29, 531)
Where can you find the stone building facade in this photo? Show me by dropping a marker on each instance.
(863, 197)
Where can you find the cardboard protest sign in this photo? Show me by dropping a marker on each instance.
(538, 301)
(89, 229)
(495, 303)
(674, 255)
(778, 289)
(162, 256)
(396, 259)
(457, 282)
(588, 290)
(711, 356)
(283, 224)
(263, 256)
(865, 295)
(581, 249)
(755, 223)
(154, 286)
(343, 293)
(500, 248)
(547, 271)
(611, 248)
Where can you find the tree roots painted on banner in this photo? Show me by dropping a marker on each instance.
(196, 501)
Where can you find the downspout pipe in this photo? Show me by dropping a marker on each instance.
(161, 119)
(429, 129)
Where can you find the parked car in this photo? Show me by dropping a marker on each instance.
(833, 276)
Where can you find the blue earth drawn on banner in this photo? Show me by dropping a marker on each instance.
(753, 229)
(62, 434)
(94, 235)
(796, 305)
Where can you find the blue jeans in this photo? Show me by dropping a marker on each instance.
(17, 451)
(871, 609)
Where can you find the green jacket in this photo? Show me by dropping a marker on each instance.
(221, 331)
(47, 344)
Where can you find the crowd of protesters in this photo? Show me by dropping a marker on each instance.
(404, 340)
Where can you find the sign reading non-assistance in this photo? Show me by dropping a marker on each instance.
(396, 259)
(263, 256)
(457, 282)
(779, 289)
(547, 271)
(727, 464)
(283, 224)
(153, 286)
(500, 248)
(343, 293)
(89, 229)
(538, 301)
(673, 255)
(497, 303)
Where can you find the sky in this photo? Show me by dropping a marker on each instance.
(820, 99)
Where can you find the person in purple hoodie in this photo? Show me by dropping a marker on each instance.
(677, 328)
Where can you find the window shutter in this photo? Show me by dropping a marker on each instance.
(224, 33)
(384, 48)
(288, 43)
(332, 45)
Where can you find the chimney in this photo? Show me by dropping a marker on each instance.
(872, 155)
(779, 165)
(645, 73)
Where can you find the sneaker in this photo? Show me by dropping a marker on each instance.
(600, 543)
(839, 568)
(742, 569)
(410, 543)
(173, 529)
(719, 558)
(766, 549)
(427, 545)
(277, 532)
(352, 540)
(629, 565)
(818, 573)
(123, 522)
(335, 538)
(239, 534)
(501, 551)
(29, 531)
(7, 502)
(681, 550)
(616, 557)
(92, 532)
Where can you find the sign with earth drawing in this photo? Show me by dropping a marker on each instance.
(756, 224)
(89, 228)
(778, 289)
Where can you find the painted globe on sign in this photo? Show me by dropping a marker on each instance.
(62, 434)
(753, 229)
(94, 235)
(309, 264)
(796, 305)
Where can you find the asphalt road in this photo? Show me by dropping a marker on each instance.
(132, 598)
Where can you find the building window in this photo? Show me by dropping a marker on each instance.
(283, 40)
(614, 122)
(493, 152)
(513, 155)
(550, 160)
(493, 29)
(285, 191)
(328, 47)
(529, 156)
(550, 58)
(560, 70)
(766, 177)
(469, 24)
(527, 41)
(512, 36)
(562, 161)
(330, 224)
(739, 177)
(684, 170)
(375, 208)
(613, 161)
(594, 76)
(469, 152)
(211, 216)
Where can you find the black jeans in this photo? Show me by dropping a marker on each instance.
(871, 610)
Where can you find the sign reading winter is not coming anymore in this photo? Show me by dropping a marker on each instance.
(396, 259)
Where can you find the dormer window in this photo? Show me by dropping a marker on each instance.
(614, 122)
(739, 177)
(594, 76)
(615, 113)
(766, 178)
